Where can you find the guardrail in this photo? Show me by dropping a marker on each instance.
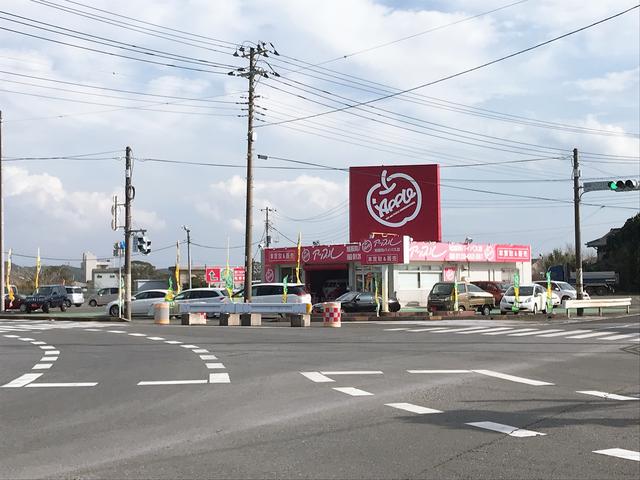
(599, 303)
(246, 308)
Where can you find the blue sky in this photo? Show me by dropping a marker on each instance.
(581, 91)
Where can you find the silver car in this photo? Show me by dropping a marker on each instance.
(74, 296)
(103, 296)
(563, 290)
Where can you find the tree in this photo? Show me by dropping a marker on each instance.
(144, 270)
(622, 255)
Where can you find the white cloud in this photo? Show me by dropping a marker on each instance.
(612, 82)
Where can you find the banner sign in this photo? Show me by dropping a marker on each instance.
(213, 275)
(238, 274)
(399, 199)
(472, 252)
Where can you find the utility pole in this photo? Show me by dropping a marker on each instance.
(267, 225)
(576, 214)
(2, 286)
(129, 194)
(186, 229)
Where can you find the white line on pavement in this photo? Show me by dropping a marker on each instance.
(47, 347)
(606, 395)
(38, 343)
(208, 357)
(173, 342)
(116, 331)
(620, 453)
(219, 378)
(512, 378)
(174, 382)
(12, 336)
(590, 335)
(485, 330)
(53, 385)
(620, 337)
(92, 330)
(460, 329)
(354, 372)
(48, 359)
(22, 380)
(535, 332)
(201, 350)
(508, 429)
(386, 329)
(561, 334)
(189, 346)
(51, 352)
(25, 339)
(215, 365)
(439, 371)
(138, 334)
(434, 329)
(42, 366)
(317, 377)
(503, 332)
(409, 407)
(155, 338)
(354, 392)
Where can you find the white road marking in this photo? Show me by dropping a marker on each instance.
(620, 453)
(116, 331)
(47, 347)
(12, 336)
(92, 330)
(201, 350)
(439, 371)
(189, 346)
(606, 395)
(22, 380)
(48, 359)
(354, 372)
(219, 378)
(208, 357)
(512, 378)
(620, 337)
(174, 382)
(535, 332)
(561, 334)
(434, 329)
(137, 334)
(155, 338)
(410, 407)
(590, 335)
(503, 332)
(42, 366)
(25, 339)
(395, 329)
(460, 329)
(51, 352)
(215, 365)
(173, 342)
(508, 429)
(38, 343)
(317, 377)
(485, 330)
(53, 385)
(354, 392)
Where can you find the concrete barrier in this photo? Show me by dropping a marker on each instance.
(229, 319)
(194, 319)
(250, 319)
(299, 320)
(161, 313)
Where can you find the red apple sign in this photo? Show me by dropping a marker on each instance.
(395, 200)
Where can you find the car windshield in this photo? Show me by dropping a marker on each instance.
(346, 297)
(43, 291)
(565, 286)
(442, 288)
(524, 292)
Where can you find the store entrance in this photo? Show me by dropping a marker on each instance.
(326, 284)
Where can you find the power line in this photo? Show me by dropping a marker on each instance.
(463, 72)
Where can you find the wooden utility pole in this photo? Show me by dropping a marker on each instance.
(248, 232)
(129, 194)
(267, 226)
(578, 236)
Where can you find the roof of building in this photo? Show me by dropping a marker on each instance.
(602, 241)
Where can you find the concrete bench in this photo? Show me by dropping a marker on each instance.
(599, 303)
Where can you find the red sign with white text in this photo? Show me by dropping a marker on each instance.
(472, 252)
(212, 275)
(401, 200)
(238, 275)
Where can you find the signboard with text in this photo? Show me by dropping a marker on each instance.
(472, 252)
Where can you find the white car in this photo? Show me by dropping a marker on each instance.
(195, 296)
(532, 298)
(140, 303)
(562, 291)
(273, 293)
(74, 296)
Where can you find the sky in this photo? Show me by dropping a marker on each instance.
(84, 79)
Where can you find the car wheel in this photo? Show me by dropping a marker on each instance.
(63, 307)
(23, 308)
(564, 299)
(93, 303)
(67, 303)
(45, 308)
(114, 310)
(461, 308)
(394, 308)
(486, 310)
(535, 308)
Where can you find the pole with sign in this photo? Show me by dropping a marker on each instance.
(516, 292)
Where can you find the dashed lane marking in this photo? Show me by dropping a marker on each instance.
(439, 371)
(353, 372)
(354, 392)
(54, 385)
(317, 377)
(508, 429)
(512, 378)
(173, 382)
(410, 407)
(620, 453)
(155, 338)
(116, 331)
(137, 334)
(608, 396)
(219, 378)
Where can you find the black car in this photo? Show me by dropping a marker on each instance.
(361, 302)
(45, 298)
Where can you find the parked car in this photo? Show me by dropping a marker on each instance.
(359, 302)
(470, 298)
(272, 293)
(103, 296)
(532, 298)
(16, 304)
(74, 296)
(332, 289)
(140, 302)
(45, 298)
(563, 290)
(496, 289)
(194, 296)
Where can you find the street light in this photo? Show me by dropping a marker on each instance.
(186, 229)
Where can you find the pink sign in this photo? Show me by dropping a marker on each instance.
(269, 274)
(472, 252)
(238, 274)
(449, 274)
(212, 274)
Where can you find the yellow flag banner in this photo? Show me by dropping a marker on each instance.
(8, 282)
(298, 259)
(37, 278)
(178, 288)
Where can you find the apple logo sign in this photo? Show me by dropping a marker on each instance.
(395, 200)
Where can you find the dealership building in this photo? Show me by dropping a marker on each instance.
(395, 242)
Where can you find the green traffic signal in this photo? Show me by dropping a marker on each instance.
(612, 185)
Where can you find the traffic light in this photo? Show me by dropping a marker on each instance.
(143, 244)
(623, 185)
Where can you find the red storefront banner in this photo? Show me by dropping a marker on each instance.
(374, 251)
(399, 200)
(238, 274)
(212, 275)
(472, 252)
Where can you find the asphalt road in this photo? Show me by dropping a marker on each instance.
(476, 399)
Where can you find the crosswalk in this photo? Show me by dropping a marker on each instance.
(513, 331)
